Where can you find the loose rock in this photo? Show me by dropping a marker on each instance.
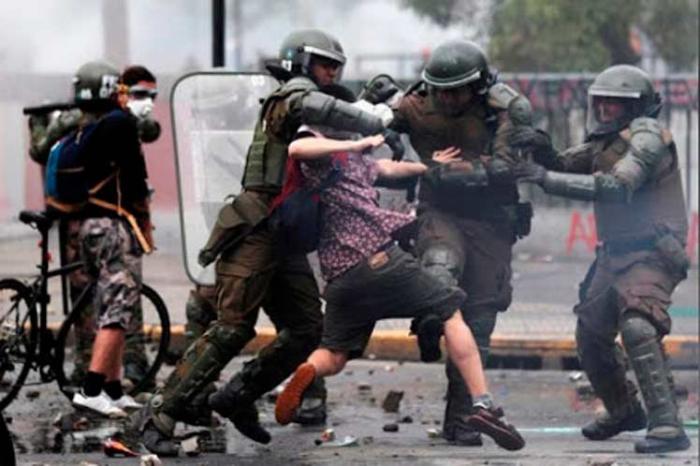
(392, 401)
(391, 427)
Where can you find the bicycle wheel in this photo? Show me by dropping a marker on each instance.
(18, 338)
(149, 337)
(7, 449)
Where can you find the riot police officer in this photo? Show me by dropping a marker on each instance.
(251, 264)
(628, 167)
(469, 214)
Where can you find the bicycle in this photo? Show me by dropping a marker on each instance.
(27, 343)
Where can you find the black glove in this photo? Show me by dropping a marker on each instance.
(379, 89)
(534, 142)
(393, 140)
(529, 172)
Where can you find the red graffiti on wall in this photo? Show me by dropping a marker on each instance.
(583, 229)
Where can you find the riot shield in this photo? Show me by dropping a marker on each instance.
(213, 116)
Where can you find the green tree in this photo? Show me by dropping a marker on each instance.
(575, 35)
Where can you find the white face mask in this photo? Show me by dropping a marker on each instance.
(140, 108)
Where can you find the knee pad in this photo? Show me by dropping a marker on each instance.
(637, 330)
(443, 263)
(298, 342)
(596, 354)
(229, 339)
(198, 310)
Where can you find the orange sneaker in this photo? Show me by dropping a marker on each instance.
(290, 399)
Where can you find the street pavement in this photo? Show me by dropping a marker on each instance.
(547, 406)
(545, 288)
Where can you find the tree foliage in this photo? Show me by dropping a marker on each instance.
(576, 35)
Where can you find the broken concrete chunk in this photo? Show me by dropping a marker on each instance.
(392, 401)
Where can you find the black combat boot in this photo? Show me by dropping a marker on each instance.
(236, 402)
(245, 419)
(154, 430)
(608, 426)
(428, 330)
(665, 431)
(606, 373)
(312, 411)
(459, 402)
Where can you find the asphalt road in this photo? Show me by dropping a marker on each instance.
(545, 290)
(547, 407)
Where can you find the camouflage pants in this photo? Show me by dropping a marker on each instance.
(113, 260)
(253, 275)
(85, 326)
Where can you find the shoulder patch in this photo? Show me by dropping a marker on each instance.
(501, 95)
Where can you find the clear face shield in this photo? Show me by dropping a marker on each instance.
(610, 112)
(451, 101)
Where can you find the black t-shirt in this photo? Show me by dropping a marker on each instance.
(114, 145)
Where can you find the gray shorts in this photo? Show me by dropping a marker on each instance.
(390, 284)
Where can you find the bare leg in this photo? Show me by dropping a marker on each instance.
(464, 353)
(117, 374)
(327, 362)
(107, 352)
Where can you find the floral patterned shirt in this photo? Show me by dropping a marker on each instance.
(353, 225)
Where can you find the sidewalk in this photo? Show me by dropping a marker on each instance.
(539, 324)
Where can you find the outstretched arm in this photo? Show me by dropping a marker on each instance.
(391, 169)
(310, 148)
(647, 148)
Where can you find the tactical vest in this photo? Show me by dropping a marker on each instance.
(657, 206)
(471, 132)
(274, 130)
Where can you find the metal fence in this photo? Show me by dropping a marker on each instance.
(560, 100)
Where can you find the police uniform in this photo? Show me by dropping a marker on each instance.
(629, 169)
(467, 221)
(253, 271)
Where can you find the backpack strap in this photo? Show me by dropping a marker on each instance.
(140, 237)
(333, 176)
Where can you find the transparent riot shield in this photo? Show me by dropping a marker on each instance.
(213, 115)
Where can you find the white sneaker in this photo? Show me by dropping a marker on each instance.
(125, 402)
(100, 404)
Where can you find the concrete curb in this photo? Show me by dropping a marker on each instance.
(553, 350)
(684, 350)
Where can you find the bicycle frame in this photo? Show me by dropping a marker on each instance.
(40, 299)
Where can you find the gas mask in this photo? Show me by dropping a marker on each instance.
(140, 100)
(140, 108)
